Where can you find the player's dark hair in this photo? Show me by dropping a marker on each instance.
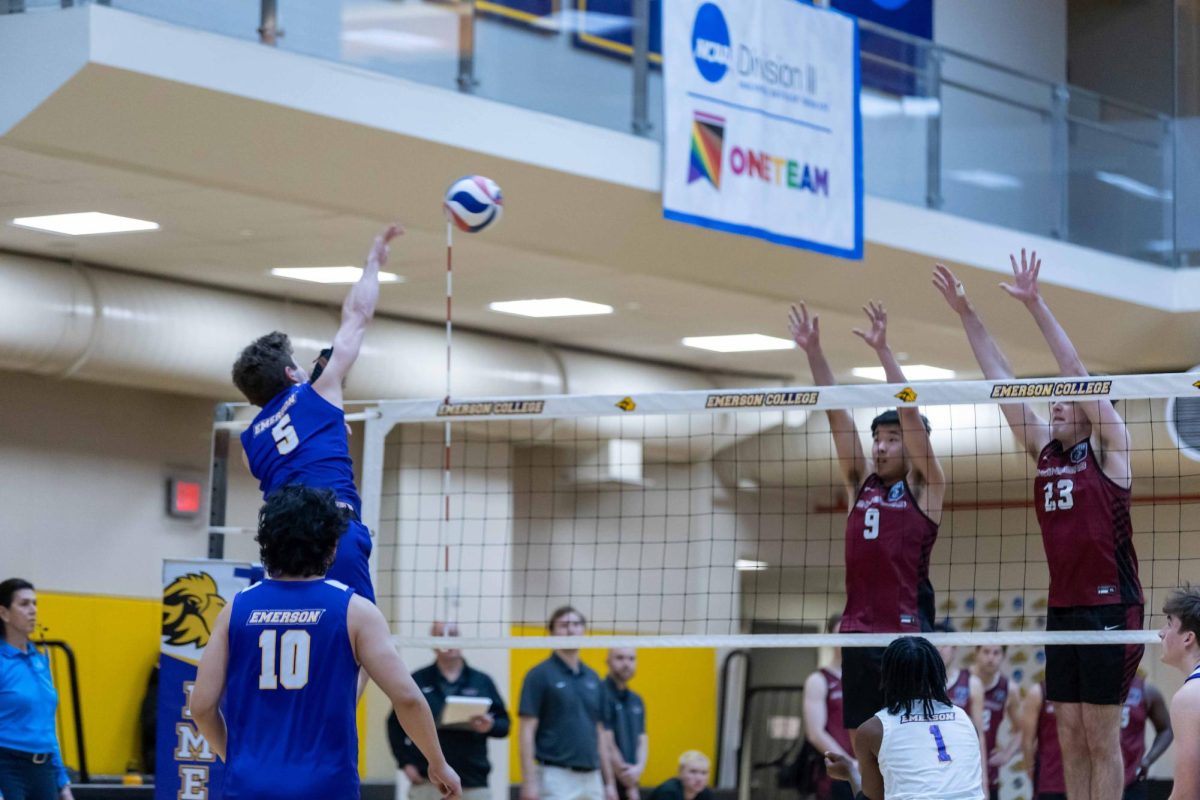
(892, 417)
(298, 530)
(913, 671)
(8, 590)
(260, 372)
(561, 612)
(1003, 648)
(832, 622)
(1184, 605)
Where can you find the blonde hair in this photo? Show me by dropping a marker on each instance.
(694, 758)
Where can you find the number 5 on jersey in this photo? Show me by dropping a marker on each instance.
(291, 668)
(284, 433)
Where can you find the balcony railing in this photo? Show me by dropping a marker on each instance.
(941, 128)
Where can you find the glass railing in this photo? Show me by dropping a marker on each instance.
(941, 128)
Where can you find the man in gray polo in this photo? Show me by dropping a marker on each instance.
(564, 755)
(625, 719)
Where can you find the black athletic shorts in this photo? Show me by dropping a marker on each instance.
(1052, 796)
(1138, 790)
(862, 697)
(1089, 673)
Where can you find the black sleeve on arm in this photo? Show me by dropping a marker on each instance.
(501, 721)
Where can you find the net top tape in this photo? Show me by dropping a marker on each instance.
(803, 398)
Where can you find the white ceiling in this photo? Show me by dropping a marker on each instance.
(240, 186)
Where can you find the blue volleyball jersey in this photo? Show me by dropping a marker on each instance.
(290, 694)
(300, 437)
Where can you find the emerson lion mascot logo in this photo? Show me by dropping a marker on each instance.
(190, 608)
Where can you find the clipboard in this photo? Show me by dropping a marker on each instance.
(459, 710)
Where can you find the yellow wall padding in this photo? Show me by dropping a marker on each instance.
(679, 687)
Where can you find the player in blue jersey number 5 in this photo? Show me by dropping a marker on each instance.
(300, 434)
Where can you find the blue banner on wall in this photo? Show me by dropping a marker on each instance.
(606, 26)
(527, 12)
(914, 17)
(194, 592)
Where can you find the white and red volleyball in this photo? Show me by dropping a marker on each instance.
(473, 203)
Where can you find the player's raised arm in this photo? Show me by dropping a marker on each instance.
(806, 332)
(205, 700)
(1109, 436)
(373, 647)
(1030, 429)
(930, 480)
(357, 311)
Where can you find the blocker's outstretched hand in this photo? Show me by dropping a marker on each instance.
(876, 335)
(1025, 278)
(951, 288)
(805, 328)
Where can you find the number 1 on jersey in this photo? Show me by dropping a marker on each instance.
(871, 523)
(941, 743)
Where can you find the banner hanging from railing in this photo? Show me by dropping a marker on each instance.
(762, 126)
(194, 592)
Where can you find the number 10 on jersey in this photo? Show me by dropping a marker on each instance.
(290, 668)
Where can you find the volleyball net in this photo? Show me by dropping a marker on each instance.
(718, 518)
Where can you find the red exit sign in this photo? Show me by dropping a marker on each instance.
(183, 498)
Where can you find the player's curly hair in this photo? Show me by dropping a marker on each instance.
(260, 372)
(913, 671)
(298, 531)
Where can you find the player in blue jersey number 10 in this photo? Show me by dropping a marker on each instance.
(285, 655)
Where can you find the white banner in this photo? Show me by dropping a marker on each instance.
(763, 134)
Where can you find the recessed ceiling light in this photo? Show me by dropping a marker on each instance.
(550, 307)
(912, 372)
(738, 343)
(746, 565)
(330, 274)
(85, 223)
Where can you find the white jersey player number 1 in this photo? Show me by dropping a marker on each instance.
(930, 757)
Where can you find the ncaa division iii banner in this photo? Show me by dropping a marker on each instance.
(194, 592)
(763, 134)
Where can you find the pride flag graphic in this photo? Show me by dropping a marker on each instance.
(708, 134)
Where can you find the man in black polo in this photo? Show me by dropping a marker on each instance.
(563, 745)
(625, 719)
(465, 746)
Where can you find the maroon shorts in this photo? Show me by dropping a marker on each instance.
(1099, 674)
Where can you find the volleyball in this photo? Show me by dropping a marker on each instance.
(473, 203)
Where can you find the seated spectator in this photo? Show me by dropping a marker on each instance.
(692, 783)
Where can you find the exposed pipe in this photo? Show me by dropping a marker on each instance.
(88, 323)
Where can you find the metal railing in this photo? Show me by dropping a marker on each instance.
(76, 707)
(942, 128)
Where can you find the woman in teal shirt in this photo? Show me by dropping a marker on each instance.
(31, 766)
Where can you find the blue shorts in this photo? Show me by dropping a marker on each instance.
(351, 565)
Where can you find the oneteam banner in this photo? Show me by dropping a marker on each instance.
(194, 592)
(762, 126)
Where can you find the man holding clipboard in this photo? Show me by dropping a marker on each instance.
(468, 710)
